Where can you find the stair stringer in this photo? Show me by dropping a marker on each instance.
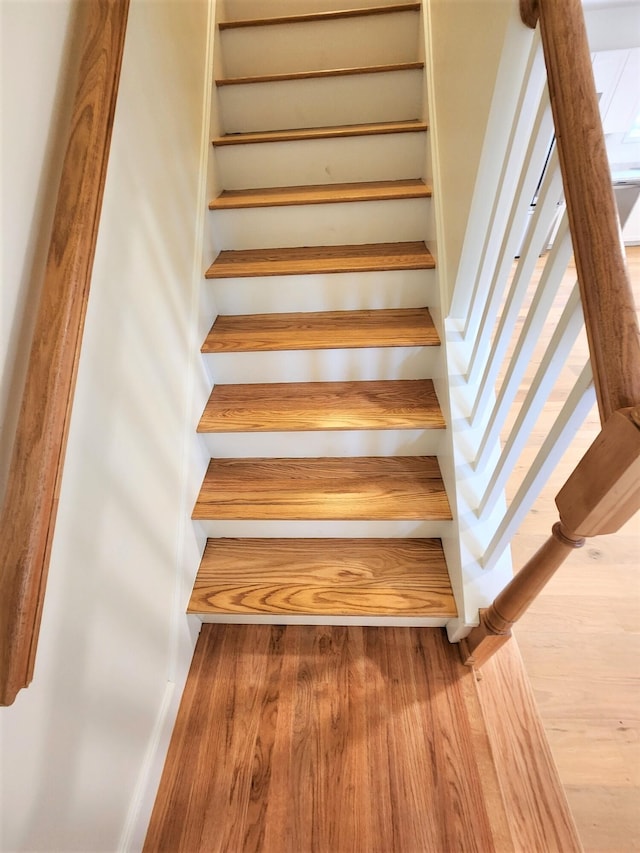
(468, 536)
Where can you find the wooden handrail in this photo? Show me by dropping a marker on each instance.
(605, 286)
(28, 515)
(604, 490)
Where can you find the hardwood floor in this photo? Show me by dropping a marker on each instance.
(317, 739)
(580, 642)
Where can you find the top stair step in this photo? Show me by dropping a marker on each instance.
(321, 194)
(329, 132)
(320, 16)
(330, 72)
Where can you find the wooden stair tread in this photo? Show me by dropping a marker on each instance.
(320, 16)
(346, 577)
(409, 327)
(277, 406)
(326, 72)
(328, 488)
(309, 260)
(321, 194)
(329, 132)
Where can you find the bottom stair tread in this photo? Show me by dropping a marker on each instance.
(342, 577)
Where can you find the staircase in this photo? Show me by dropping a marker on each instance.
(323, 500)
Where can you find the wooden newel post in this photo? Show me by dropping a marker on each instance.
(495, 621)
(601, 495)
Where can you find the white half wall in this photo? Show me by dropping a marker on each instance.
(83, 746)
(467, 43)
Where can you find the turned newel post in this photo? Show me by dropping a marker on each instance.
(599, 497)
(495, 621)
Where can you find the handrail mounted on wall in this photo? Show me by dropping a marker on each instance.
(28, 515)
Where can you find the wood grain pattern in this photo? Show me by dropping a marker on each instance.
(321, 194)
(367, 740)
(310, 260)
(603, 492)
(320, 16)
(542, 820)
(605, 287)
(324, 73)
(330, 132)
(278, 406)
(28, 516)
(329, 488)
(389, 327)
(349, 577)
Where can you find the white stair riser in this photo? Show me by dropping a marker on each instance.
(235, 10)
(323, 365)
(381, 157)
(321, 224)
(321, 102)
(317, 45)
(333, 292)
(348, 529)
(356, 621)
(347, 443)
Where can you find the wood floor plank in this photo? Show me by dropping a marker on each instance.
(320, 16)
(358, 488)
(324, 73)
(348, 577)
(408, 327)
(320, 738)
(321, 194)
(329, 132)
(278, 406)
(321, 259)
(538, 815)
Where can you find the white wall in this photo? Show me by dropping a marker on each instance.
(467, 42)
(83, 746)
(37, 92)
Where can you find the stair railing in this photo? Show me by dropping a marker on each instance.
(28, 515)
(603, 492)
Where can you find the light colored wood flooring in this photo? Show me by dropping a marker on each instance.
(327, 488)
(581, 646)
(318, 739)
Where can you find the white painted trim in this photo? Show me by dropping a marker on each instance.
(571, 417)
(554, 270)
(135, 827)
(368, 620)
(436, 199)
(514, 227)
(501, 147)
